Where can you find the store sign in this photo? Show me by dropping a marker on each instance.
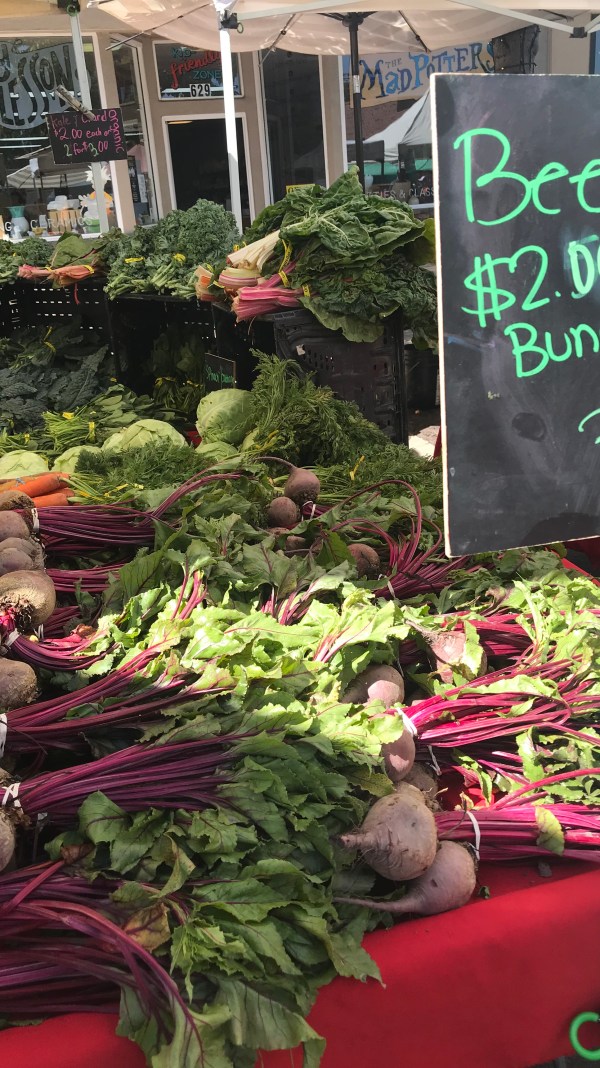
(517, 209)
(407, 74)
(190, 73)
(28, 78)
(75, 138)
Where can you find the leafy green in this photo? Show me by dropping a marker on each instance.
(358, 259)
(33, 251)
(164, 257)
(48, 369)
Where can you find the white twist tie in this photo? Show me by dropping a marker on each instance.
(477, 830)
(407, 721)
(391, 589)
(11, 795)
(3, 733)
(35, 520)
(11, 639)
(434, 763)
(313, 509)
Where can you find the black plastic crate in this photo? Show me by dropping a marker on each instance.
(235, 342)
(138, 320)
(371, 374)
(39, 303)
(9, 310)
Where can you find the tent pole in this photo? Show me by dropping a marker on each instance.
(230, 123)
(352, 22)
(86, 100)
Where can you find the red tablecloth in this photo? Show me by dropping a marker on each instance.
(492, 985)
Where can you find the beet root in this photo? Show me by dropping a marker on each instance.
(283, 512)
(302, 486)
(28, 595)
(379, 682)
(31, 548)
(446, 650)
(399, 756)
(295, 543)
(18, 685)
(447, 884)
(14, 560)
(10, 499)
(398, 838)
(7, 841)
(12, 526)
(366, 560)
(424, 778)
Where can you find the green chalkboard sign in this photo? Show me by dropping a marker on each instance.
(518, 217)
(219, 373)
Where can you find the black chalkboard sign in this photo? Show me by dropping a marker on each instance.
(518, 216)
(219, 373)
(77, 139)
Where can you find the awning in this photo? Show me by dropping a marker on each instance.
(306, 26)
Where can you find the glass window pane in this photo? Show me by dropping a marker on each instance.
(131, 104)
(30, 70)
(294, 120)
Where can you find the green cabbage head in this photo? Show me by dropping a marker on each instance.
(225, 415)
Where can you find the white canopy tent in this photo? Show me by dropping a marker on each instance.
(328, 27)
(307, 25)
(411, 128)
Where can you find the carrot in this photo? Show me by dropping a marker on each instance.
(37, 485)
(52, 500)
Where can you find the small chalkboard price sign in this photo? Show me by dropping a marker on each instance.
(74, 138)
(219, 373)
(518, 229)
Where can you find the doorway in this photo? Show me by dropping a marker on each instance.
(199, 164)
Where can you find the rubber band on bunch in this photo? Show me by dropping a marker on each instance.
(477, 829)
(11, 795)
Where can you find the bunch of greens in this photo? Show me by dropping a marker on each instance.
(176, 374)
(164, 257)
(33, 251)
(73, 250)
(307, 425)
(357, 258)
(49, 369)
(140, 471)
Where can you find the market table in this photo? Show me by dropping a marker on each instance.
(492, 985)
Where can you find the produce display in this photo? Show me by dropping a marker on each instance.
(350, 259)
(241, 713)
(239, 673)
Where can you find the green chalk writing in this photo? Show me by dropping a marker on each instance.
(524, 190)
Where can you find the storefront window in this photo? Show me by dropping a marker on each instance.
(130, 101)
(294, 120)
(30, 181)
